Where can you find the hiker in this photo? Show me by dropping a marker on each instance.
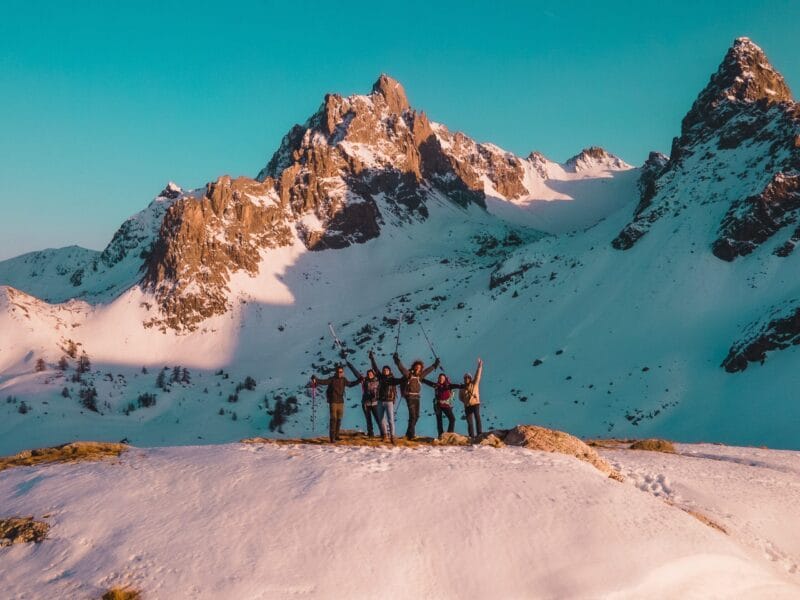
(335, 396)
(443, 402)
(387, 394)
(469, 394)
(411, 388)
(369, 396)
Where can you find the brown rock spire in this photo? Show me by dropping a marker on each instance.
(392, 92)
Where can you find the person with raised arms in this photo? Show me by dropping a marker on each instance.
(387, 394)
(369, 396)
(412, 389)
(469, 394)
(335, 396)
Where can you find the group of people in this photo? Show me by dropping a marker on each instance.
(379, 394)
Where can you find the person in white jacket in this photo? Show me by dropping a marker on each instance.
(471, 398)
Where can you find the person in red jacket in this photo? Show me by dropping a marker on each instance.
(335, 395)
(443, 401)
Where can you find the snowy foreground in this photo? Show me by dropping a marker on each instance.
(269, 521)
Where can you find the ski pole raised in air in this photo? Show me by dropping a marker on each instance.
(314, 407)
(427, 339)
(397, 341)
(335, 338)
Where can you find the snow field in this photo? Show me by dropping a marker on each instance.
(266, 521)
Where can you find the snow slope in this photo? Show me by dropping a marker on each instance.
(264, 521)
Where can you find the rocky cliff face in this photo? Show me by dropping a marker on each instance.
(742, 135)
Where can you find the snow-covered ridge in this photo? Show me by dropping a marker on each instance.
(506, 522)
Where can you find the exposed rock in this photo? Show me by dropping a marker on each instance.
(22, 531)
(203, 240)
(781, 330)
(550, 440)
(453, 439)
(750, 222)
(491, 439)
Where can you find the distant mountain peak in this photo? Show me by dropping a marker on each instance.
(593, 157)
(744, 76)
(393, 93)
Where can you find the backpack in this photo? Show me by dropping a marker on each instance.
(407, 385)
(469, 392)
(370, 390)
(443, 392)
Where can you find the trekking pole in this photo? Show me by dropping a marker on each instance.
(397, 341)
(314, 407)
(427, 339)
(335, 337)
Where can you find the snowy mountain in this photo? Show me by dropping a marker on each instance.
(605, 299)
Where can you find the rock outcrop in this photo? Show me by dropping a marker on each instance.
(780, 330)
(753, 220)
(551, 440)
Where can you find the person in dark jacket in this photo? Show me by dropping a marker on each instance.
(387, 394)
(443, 402)
(369, 396)
(335, 395)
(412, 389)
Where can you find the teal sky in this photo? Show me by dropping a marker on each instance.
(104, 102)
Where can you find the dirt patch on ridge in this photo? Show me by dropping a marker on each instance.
(527, 436)
(72, 452)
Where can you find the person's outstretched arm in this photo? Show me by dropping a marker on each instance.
(478, 372)
(432, 367)
(400, 364)
(317, 381)
(375, 368)
(429, 383)
(356, 374)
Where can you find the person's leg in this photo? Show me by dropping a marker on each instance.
(365, 410)
(339, 415)
(373, 414)
(382, 424)
(439, 426)
(413, 416)
(390, 418)
(451, 419)
(470, 421)
(332, 423)
(478, 419)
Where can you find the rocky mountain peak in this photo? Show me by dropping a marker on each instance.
(595, 156)
(171, 191)
(392, 92)
(745, 75)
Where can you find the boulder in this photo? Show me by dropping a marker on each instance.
(550, 440)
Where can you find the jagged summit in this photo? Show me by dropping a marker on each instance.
(593, 157)
(745, 75)
(393, 93)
